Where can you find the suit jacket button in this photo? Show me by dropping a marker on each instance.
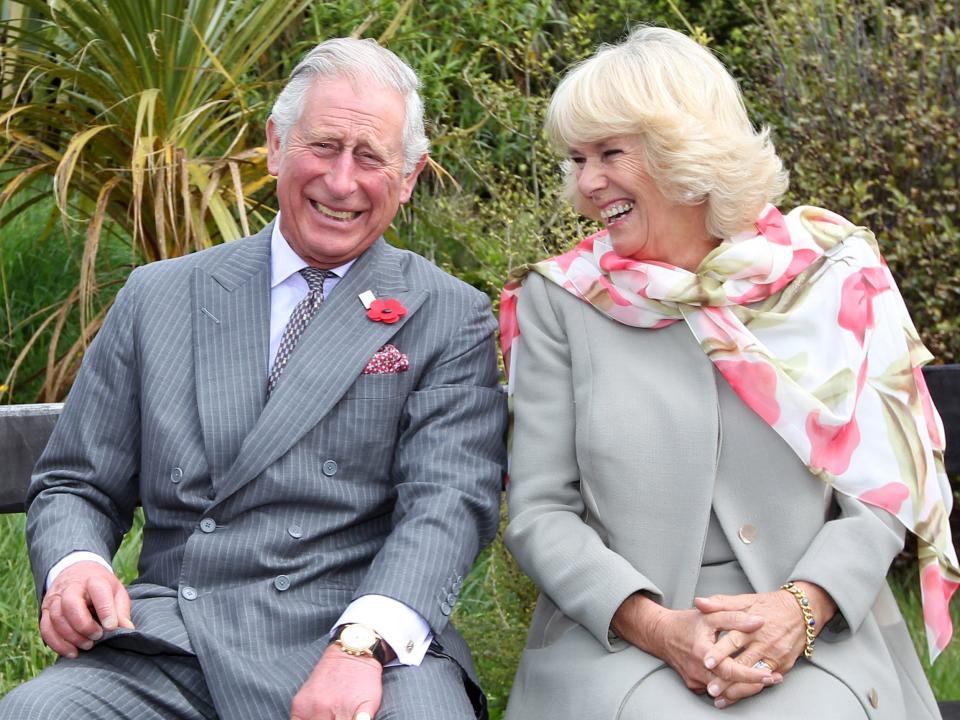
(176, 475)
(874, 698)
(281, 583)
(208, 525)
(188, 593)
(748, 533)
(445, 608)
(295, 531)
(330, 468)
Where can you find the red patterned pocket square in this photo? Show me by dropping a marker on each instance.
(387, 361)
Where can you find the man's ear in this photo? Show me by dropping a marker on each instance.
(410, 180)
(274, 151)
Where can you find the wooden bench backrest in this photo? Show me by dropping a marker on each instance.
(24, 430)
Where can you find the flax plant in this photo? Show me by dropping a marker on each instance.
(141, 118)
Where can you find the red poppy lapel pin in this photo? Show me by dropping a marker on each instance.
(387, 311)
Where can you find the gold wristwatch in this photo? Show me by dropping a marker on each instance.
(359, 640)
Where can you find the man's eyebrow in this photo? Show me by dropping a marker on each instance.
(363, 142)
(374, 147)
(321, 136)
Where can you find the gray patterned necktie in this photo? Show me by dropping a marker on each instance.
(299, 319)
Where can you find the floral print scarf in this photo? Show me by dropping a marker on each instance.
(802, 317)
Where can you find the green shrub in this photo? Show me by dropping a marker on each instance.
(863, 96)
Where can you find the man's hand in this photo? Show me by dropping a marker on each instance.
(83, 601)
(340, 687)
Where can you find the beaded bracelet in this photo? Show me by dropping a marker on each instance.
(809, 623)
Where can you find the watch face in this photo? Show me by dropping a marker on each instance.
(357, 637)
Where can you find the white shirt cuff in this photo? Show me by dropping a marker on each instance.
(401, 627)
(72, 559)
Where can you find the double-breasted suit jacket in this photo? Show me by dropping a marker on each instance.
(625, 441)
(265, 518)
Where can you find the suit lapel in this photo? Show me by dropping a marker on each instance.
(231, 311)
(329, 357)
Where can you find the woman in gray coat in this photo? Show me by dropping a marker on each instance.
(721, 431)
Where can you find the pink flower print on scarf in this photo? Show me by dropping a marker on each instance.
(889, 497)
(755, 383)
(929, 413)
(831, 446)
(508, 321)
(774, 228)
(856, 300)
(936, 605)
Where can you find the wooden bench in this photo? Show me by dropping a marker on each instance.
(24, 430)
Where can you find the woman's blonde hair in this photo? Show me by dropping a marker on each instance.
(688, 112)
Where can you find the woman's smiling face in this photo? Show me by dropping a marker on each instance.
(643, 224)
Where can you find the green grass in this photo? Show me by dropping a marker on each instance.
(493, 613)
(24, 653)
(944, 676)
(39, 265)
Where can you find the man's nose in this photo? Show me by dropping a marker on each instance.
(341, 176)
(590, 178)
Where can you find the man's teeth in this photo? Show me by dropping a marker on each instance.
(337, 214)
(613, 211)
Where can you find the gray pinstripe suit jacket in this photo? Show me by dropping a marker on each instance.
(341, 485)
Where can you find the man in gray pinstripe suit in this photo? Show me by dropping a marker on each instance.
(348, 502)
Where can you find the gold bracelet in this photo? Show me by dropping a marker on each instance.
(809, 623)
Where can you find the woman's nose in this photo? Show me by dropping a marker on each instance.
(590, 178)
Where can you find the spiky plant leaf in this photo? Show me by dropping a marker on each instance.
(142, 119)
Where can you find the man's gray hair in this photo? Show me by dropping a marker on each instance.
(356, 60)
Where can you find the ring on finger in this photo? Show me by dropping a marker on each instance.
(762, 665)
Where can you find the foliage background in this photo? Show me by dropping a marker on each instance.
(862, 96)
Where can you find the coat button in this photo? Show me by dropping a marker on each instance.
(748, 533)
(330, 468)
(451, 599)
(208, 525)
(281, 582)
(445, 608)
(295, 531)
(176, 475)
(188, 593)
(874, 698)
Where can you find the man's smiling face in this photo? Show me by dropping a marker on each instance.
(340, 178)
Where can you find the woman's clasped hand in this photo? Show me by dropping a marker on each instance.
(686, 639)
(777, 642)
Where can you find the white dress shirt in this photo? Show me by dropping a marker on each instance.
(401, 627)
